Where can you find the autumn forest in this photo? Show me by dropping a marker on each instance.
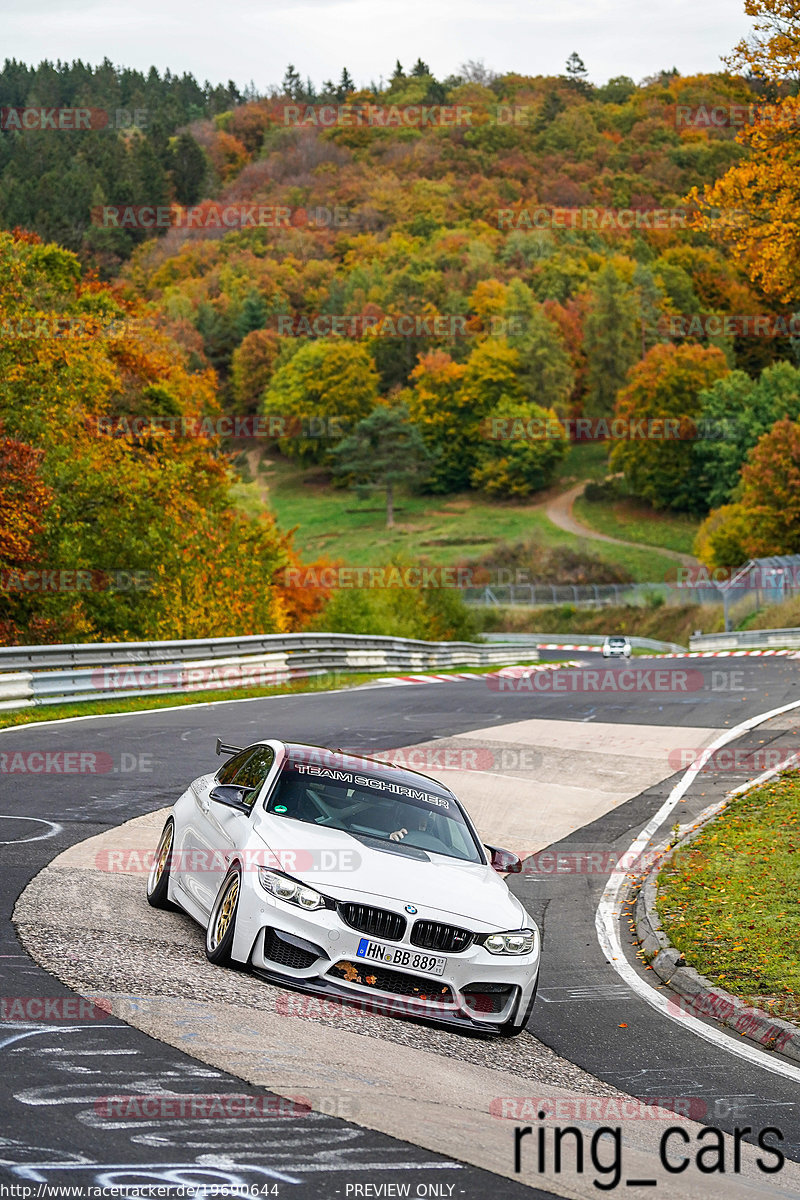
(428, 288)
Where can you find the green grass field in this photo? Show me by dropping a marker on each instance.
(440, 531)
(586, 460)
(730, 899)
(636, 522)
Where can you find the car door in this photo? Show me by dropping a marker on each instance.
(202, 844)
(194, 833)
(228, 829)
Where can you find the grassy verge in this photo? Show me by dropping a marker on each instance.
(730, 899)
(437, 530)
(777, 616)
(321, 683)
(118, 704)
(666, 624)
(638, 523)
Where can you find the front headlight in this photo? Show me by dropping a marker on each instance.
(285, 888)
(519, 941)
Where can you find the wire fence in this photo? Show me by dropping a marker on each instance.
(738, 601)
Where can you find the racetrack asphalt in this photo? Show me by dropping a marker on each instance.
(584, 1013)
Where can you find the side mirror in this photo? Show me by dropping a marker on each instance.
(232, 796)
(504, 861)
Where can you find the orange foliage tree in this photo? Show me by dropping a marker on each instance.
(752, 209)
(23, 500)
(136, 480)
(766, 519)
(656, 458)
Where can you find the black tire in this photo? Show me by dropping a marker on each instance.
(222, 922)
(158, 879)
(514, 1028)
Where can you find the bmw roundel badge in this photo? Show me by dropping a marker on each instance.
(410, 908)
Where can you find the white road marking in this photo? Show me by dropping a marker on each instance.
(607, 924)
(39, 837)
(28, 1030)
(59, 1050)
(601, 991)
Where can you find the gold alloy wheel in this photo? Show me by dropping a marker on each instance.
(162, 855)
(225, 911)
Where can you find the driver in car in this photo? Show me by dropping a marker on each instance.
(421, 825)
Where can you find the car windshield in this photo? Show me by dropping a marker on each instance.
(374, 806)
(616, 641)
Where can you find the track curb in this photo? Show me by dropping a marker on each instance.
(698, 994)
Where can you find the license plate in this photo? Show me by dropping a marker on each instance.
(397, 956)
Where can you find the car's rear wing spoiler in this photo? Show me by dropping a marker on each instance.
(222, 749)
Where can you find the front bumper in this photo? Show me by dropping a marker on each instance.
(317, 952)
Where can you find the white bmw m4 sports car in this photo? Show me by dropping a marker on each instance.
(345, 877)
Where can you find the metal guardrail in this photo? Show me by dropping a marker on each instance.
(84, 654)
(746, 639)
(36, 675)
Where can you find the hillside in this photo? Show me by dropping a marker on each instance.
(507, 266)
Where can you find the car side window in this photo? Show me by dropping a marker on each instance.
(227, 773)
(257, 767)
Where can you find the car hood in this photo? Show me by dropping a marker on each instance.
(345, 867)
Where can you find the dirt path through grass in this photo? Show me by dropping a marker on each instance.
(448, 530)
(559, 511)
